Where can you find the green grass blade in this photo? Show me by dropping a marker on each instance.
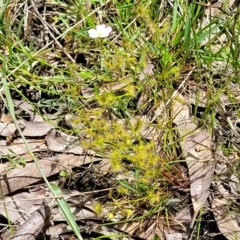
(66, 211)
(3, 7)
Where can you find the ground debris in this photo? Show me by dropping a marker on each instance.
(197, 151)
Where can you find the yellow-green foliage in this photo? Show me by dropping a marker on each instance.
(119, 142)
(106, 99)
(119, 61)
(122, 62)
(97, 208)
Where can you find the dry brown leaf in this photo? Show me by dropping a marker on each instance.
(196, 149)
(80, 213)
(160, 231)
(149, 231)
(174, 236)
(87, 92)
(80, 205)
(184, 215)
(6, 118)
(209, 13)
(234, 184)
(5, 236)
(13, 179)
(128, 227)
(33, 225)
(159, 227)
(7, 129)
(36, 129)
(61, 142)
(58, 229)
(226, 223)
(4, 167)
(144, 99)
(18, 147)
(70, 120)
(20, 206)
(24, 106)
(114, 87)
(30, 129)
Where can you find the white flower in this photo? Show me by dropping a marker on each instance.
(101, 31)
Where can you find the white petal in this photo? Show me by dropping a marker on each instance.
(101, 27)
(93, 33)
(108, 30)
(103, 34)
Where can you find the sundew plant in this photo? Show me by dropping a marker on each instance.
(107, 73)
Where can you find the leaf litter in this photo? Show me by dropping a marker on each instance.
(197, 150)
(61, 151)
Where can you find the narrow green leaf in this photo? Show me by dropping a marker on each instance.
(66, 211)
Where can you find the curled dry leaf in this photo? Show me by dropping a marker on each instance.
(70, 120)
(20, 206)
(226, 222)
(196, 150)
(33, 225)
(152, 229)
